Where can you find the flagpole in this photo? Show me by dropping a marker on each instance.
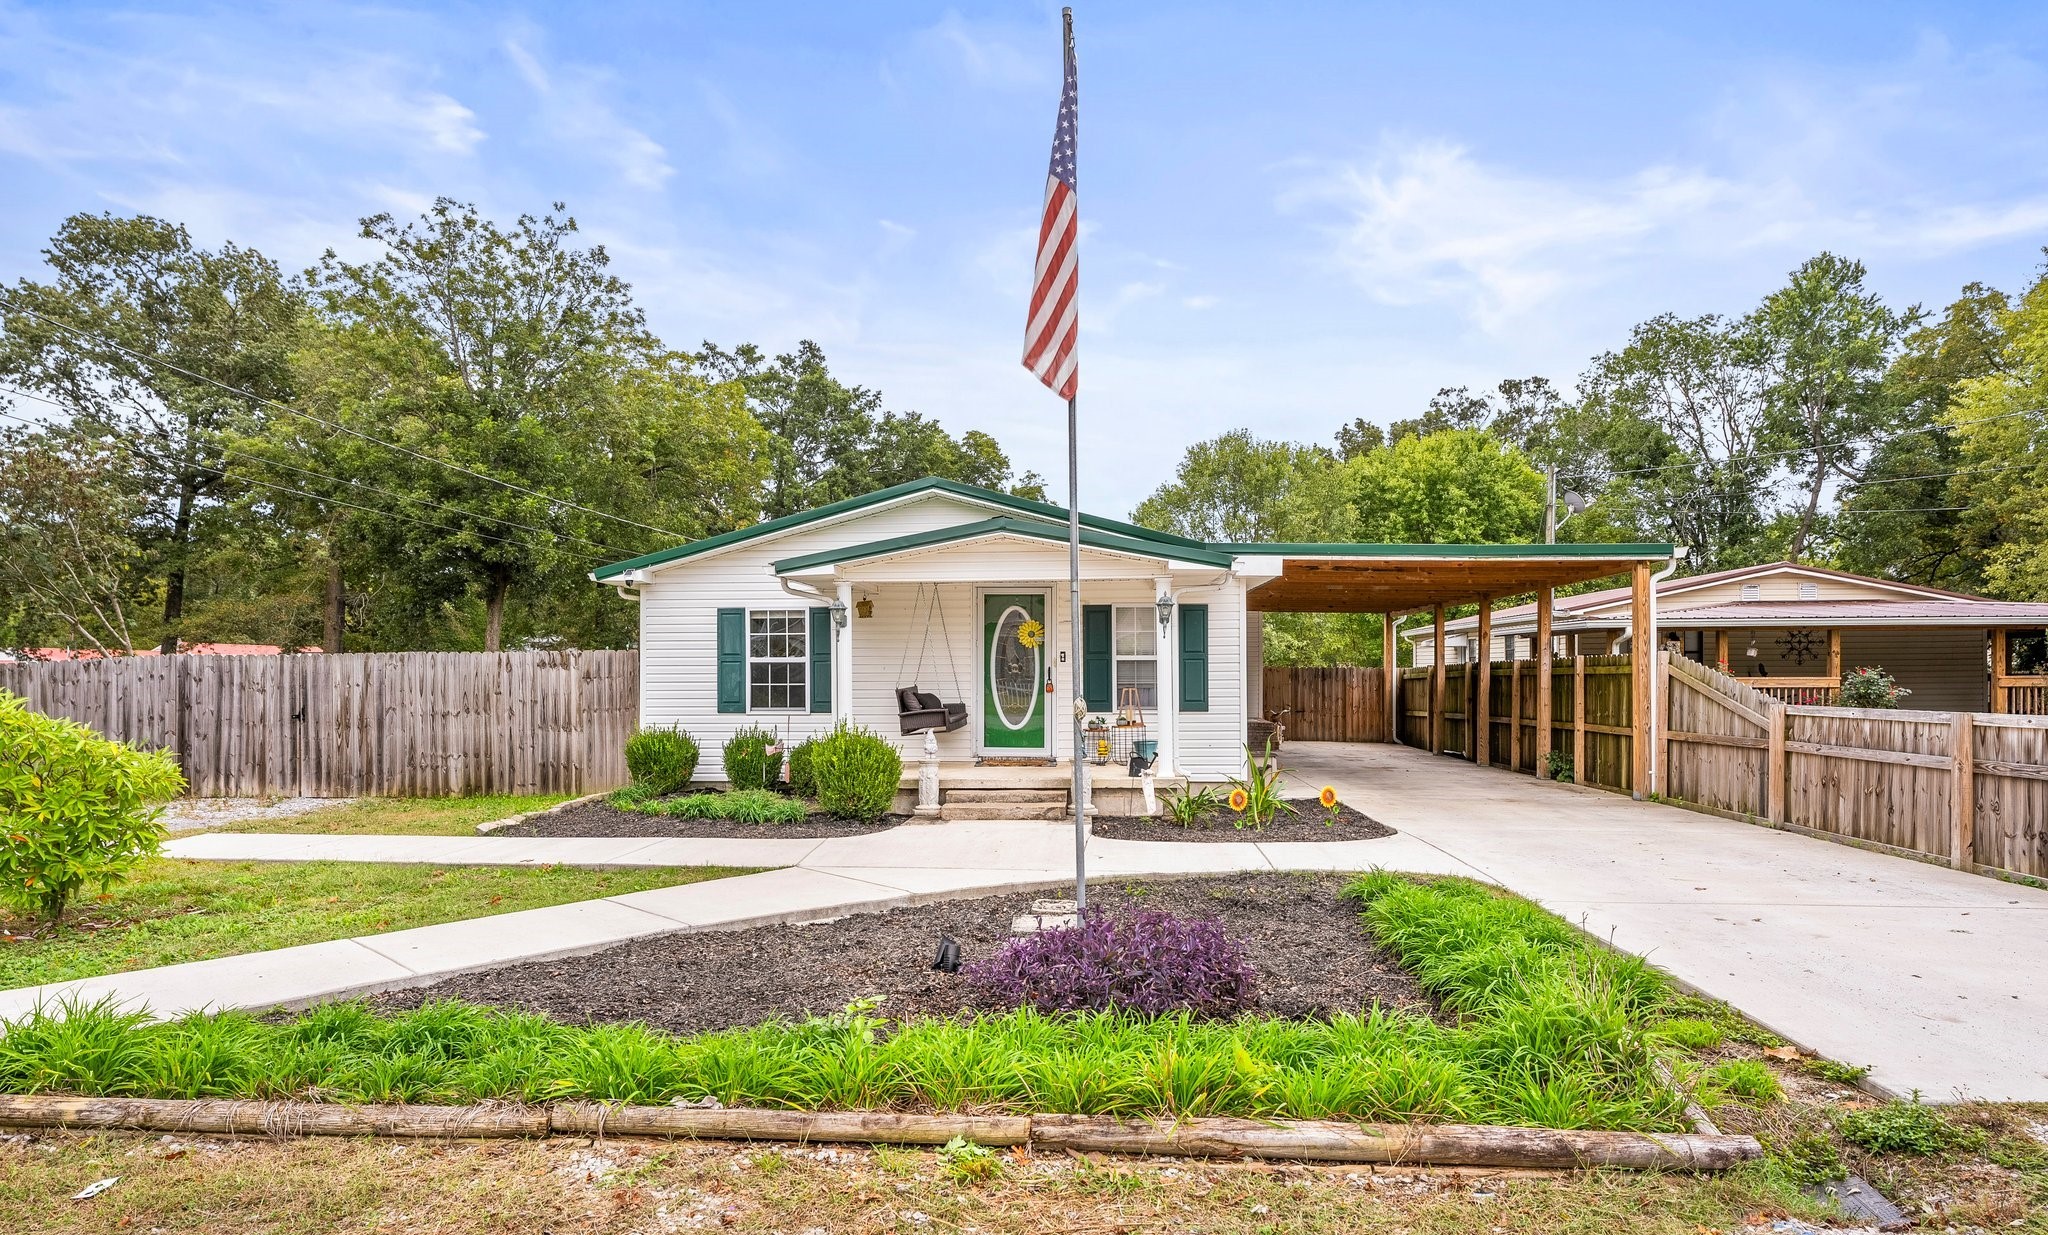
(1080, 788)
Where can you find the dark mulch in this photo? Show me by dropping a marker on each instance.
(1312, 955)
(599, 818)
(1309, 823)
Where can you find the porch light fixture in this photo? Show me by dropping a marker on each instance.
(839, 614)
(1165, 606)
(1752, 645)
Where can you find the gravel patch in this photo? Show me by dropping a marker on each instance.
(600, 818)
(1310, 822)
(1312, 955)
(197, 814)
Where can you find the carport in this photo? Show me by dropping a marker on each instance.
(1399, 580)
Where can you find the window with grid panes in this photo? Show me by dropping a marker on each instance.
(778, 659)
(1137, 654)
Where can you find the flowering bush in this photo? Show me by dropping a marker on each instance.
(1150, 962)
(1870, 687)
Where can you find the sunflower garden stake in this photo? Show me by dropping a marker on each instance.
(1328, 797)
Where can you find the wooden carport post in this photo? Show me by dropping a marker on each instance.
(1390, 677)
(1436, 689)
(1542, 684)
(1642, 660)
(1482, 709)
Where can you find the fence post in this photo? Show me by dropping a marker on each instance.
(1436, 689)
(1774, 770)
(1480, 730)
(1514, 715)
(1579, 719)
(1543, 684)
(1963, 792)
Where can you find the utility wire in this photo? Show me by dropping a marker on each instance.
(335, 426)
(1847, 441)
(388, 514)
(231, 452)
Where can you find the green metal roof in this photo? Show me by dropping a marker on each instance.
(1004, 526)
(929, 484)
(1311, 549)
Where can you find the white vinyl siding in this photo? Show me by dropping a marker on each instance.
(778, 660)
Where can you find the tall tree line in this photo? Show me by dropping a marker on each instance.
(1821, 426)
(429, 448)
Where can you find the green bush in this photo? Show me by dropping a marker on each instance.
(739, 806)
(664, 760)
(747, 762)
(632, 797)
(1870, 687)
(75, 808)
(857, 771)
(803, 781)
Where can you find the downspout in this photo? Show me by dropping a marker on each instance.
(1656, 717)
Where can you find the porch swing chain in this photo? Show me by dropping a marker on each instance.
(932, 609)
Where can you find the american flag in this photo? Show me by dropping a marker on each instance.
(1056, 290)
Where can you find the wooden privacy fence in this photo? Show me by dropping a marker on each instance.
(1969, 787)
(1591, 715)
(360, 725)
(1327, 703)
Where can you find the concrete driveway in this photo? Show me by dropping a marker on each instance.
(1933, 978)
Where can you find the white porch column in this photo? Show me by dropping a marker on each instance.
(842, 658)
(1169, 681)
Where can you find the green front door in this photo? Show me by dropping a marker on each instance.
(1013, 656)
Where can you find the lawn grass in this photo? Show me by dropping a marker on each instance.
(1551, 1034)
(174, 911)
(404, 816)
(186, 1185)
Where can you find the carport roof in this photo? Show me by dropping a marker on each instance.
(1370, 578)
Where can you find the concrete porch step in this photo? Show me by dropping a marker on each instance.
(955, 811)
(1025, 796)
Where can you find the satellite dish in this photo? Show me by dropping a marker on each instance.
(1573, 501)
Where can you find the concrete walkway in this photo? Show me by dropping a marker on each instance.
(1929, 976)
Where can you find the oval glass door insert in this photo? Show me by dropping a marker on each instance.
(1013, 671)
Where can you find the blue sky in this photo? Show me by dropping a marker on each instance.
(1294, 214)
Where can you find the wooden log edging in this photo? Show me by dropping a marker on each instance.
(1212, 1137)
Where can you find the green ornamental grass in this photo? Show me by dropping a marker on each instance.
(1550, 1033)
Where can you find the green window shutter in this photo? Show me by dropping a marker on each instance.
(732, 660)
(1194, 658)
(1097, 669)
(821, 660)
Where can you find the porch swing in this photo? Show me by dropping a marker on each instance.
(920, 711)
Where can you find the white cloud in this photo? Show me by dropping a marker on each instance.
(1198, 303)
(985, 54)
(576, 116)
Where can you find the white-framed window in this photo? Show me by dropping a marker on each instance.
(1137, 653)
(778, 660)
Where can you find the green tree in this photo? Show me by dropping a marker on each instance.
(1454, 486)
(71, 570)
(1824, 343)
(2002, 437)
(1239, 488)
(145, 337)
(493, 357)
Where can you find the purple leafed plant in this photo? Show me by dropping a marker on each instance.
(1150, 962)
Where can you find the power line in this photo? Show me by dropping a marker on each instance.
(1961, 471)
(388, 514)
(231, 452)
(1847, 441)
(336, 426)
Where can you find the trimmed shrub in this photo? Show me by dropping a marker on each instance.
(75, 808)
(1150, 963)
(1870, 687)
(857, 772)
(739, 806)
(663, 760)
(748, 764)
(803, 780)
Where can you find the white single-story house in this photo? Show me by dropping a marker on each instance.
(958, 595)
(1791, 630)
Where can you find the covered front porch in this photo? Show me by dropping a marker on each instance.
(978, 621)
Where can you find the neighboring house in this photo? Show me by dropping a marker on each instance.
(961, 592)
(1793, 629)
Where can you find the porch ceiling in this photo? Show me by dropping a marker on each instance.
(1455, 575)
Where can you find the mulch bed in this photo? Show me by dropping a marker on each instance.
(600, 818)
(1310, 822)
(1312, 955)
